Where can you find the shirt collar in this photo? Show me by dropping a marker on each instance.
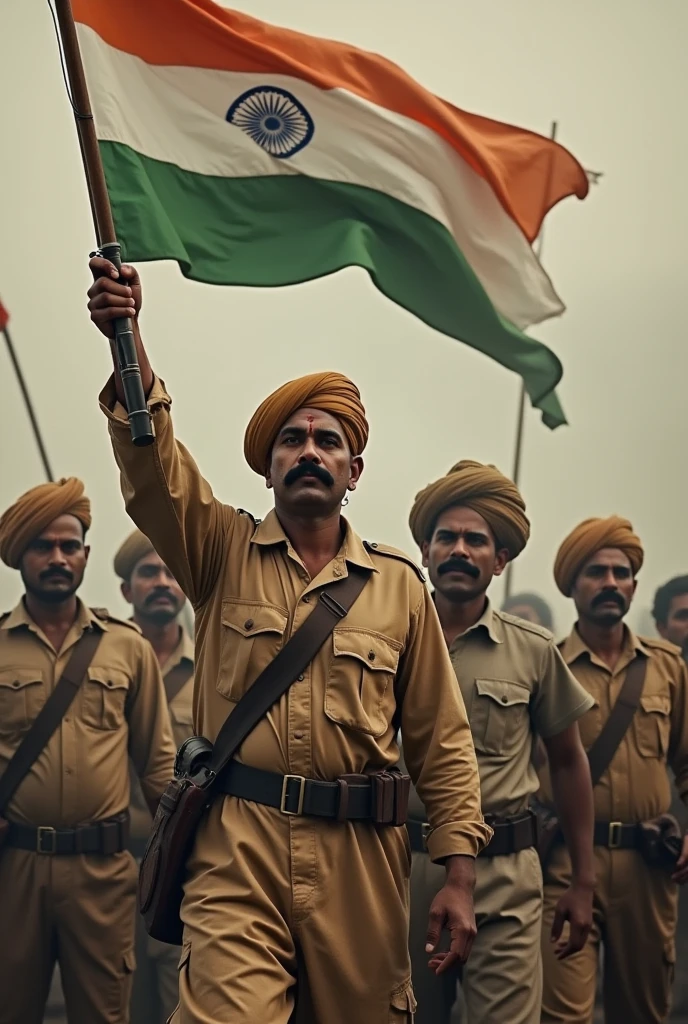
(19, 616)
(490, 621)
(270, 532)
(575, 647)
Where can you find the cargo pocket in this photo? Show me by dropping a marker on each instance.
(104, 696)
(499, 718)
(128, 968)
(252, 635)
(21, 698)
(359, 692)
(402, 1004)
(652, 725)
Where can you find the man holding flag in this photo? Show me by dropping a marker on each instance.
(284, 907)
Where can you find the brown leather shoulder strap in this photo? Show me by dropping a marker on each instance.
(177, 678)
(50, 716)
(334, 603)
(602, 751)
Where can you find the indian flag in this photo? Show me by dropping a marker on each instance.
(253, 155)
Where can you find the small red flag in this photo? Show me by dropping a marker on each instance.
(4, 317)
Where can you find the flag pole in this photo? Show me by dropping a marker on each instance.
(520, 421)
(28, 403)
(124, 342)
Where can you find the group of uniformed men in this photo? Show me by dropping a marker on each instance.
(298, 916)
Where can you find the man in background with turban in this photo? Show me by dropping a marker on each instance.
(276, 895)
(157, 601)
(634, 911)
(67, 881)
(515, 685)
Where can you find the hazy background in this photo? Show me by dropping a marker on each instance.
(612, 72)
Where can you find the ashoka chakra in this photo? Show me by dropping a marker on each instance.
(274, 119)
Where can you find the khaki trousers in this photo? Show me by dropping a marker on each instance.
(77, 910)
(634, 916)
(502, 981)
(155, 989)
(285, 915)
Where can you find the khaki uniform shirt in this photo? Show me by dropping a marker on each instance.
(635, 787)
(251, 592)
(82, 773)
(515, 686)
(181, 717)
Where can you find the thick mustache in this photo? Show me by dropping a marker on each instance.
(308, 469)
(48, 574)
(458, 565)
(160, 593)
(609, 596)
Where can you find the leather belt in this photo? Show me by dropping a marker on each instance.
(511, 835)
(348, 798)
(106, 837)
(616, 835)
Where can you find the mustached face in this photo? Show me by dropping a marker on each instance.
(153, 591)
(311, 466)
(462, 556)
(53, 565)
(604, 588)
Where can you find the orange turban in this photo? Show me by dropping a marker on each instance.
(589, 537)
(35, 510)
(329, 392)
(483, 489)
(134, 548)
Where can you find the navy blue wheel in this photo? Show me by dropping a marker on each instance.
(274, 119)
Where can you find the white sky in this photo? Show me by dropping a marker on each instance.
(613, 74)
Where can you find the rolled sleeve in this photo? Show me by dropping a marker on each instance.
(438, 746)
(168, 497)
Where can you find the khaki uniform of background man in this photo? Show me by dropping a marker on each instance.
(670, 612)
(157, 600)
(634, 910)
(60, 904)
(290, 916)
(515, 685)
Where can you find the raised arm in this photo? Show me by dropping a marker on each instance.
(165, 493)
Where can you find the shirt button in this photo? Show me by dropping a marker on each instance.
(298, 735)
(68, 771)
(248, 624)
(505, 699)
(301, 677)
(336, 571)
(371, 655)
(306, 599)
(15, 684)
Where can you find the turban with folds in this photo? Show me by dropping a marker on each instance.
(483, 489)
(589, 537)
(36, 510)
(135, 547)
(329, 392)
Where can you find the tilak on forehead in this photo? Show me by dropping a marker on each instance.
(329, 392)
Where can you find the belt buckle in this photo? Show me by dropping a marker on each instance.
(425, 830)
(43, 831)
(285, 794)
(614, 835)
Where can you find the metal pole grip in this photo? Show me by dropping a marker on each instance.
(125, 345)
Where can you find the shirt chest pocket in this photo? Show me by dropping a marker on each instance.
(652, 725)
(359, 692)
(104, 698)
(500, 720)
(252, 634)
(21, 698)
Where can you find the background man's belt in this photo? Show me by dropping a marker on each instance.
(616, 835)
(511, 835)
(381, 797)
(108, 836)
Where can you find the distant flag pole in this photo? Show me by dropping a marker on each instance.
(4, 322)
(516, 475)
